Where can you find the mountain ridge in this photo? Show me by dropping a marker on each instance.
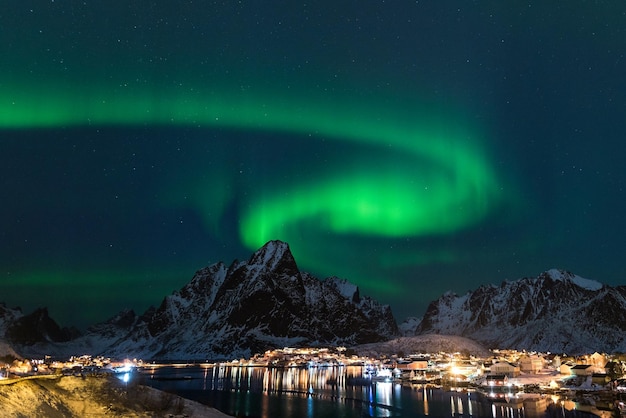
(267, 302)
(245, 308)
(556, 311)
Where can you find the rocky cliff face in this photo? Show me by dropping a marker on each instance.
(36, 327)
(8, 316)
(556, 311)
(248, 307)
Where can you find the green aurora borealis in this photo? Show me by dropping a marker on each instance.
(430, 176)
(411, 149)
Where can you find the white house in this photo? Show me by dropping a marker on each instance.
(566, 368)
(506, 368)
(531, 364)
(582, 370)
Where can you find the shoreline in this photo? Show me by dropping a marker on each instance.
(79, 396)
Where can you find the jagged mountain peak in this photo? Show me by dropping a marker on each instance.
(38, 327)
(555, 311)
(274, 255)
(7, 317)
(124, 318)
(568, 277)
(253, 305)
(348, 290)
(552, 277)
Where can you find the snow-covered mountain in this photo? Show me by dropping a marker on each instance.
(8, 316)
(267, 302)
(556, 311)
(248, 307)
(36, 328)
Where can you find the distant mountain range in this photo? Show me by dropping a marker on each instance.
(556, 311)
(245, 308)
(267, 302)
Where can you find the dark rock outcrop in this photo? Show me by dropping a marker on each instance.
(38, 327)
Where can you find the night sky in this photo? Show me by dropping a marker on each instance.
(409, 147)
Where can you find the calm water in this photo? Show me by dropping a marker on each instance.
(334, 392)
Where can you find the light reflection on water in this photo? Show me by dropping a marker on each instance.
(340, 391)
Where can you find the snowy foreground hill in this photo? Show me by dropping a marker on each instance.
(79, 397)
(428, 343)
(556, 311)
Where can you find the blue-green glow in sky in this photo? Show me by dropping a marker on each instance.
(411, 149)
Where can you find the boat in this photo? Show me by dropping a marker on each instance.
(186, 377)
(382, 375)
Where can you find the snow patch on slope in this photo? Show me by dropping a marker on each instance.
(577, 280)
(344, 287)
